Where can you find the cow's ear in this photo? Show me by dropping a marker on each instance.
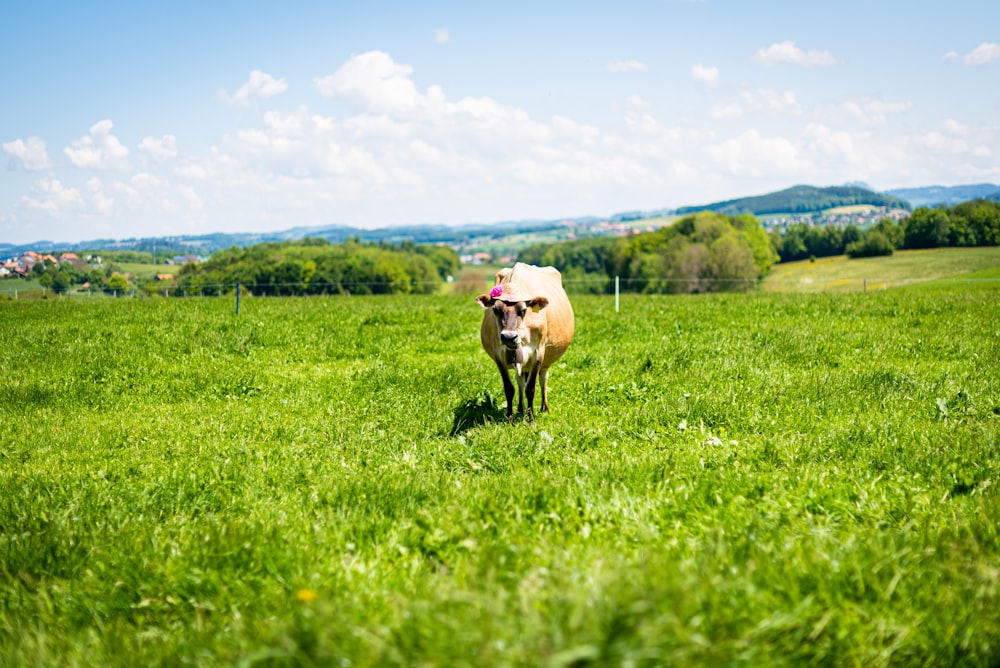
(538, 303)
(485, 301)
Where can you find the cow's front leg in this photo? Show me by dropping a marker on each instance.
(530, 390)
(508, 389)
(520, 392)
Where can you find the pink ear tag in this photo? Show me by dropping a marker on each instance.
(496, 291)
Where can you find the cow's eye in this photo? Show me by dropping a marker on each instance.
(521, 308)
(498, 307)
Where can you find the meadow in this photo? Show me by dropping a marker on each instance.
(761, 479)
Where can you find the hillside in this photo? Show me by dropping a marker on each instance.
(946, 195)
(800, 200)
(902, 268)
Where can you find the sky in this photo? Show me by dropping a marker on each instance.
(125, 119)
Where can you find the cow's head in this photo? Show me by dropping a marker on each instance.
(509, 313)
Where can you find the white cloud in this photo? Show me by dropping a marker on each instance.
(372, 80)
(31, 152)
(954, 127)
(773, 102)
(626, 66)
(725, 111)
(191, 197)
(159, 148)
(983, 54)
(442, 36)
(752, 154)
(869, 111)
(705, 75)
(101, 150)
(259, 85)
(637, 102)
(50, 196)
(787, 53)
(765, 101)
(100, 202)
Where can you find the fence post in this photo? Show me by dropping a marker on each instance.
(237, 297)
(616, 294)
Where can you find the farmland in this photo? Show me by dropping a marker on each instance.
(761, 479)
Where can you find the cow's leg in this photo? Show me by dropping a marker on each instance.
(508, 388)
(543, 380)
(530, 390)
(520, 393)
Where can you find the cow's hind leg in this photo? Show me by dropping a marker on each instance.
(543, 380)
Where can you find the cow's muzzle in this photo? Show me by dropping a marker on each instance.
(510, 339)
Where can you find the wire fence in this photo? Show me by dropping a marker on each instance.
(595, 286)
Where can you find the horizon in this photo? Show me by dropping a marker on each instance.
(457, 226)
(375, 116)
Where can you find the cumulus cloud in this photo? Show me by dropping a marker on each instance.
(50, 196)
(259, 85)
(726, 111)
(637, 102)
(31, 152)
(372, 80)
(100, 150)
(772, 102)
(983, 54)
(752, 154)
(159, 148)
(705, 75)
(869, 111)
(787, 53)
(765, 101)
(626, 66)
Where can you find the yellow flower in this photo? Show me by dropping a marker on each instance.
(306, 595)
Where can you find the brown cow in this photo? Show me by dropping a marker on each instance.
(527, 326)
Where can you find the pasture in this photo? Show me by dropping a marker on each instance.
(766, 479)
(954, 266)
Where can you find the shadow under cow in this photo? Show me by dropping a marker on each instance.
(475, 412)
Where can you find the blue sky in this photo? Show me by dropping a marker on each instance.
(126, 119)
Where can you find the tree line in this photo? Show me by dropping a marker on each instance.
(710, 251)
(314, 266)
(973, 223)
(703, 252)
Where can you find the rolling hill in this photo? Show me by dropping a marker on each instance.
(800, 200)
(946, 195)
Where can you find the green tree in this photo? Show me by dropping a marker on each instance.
(61, 282)
(117, 283)
(927, 228)
(872, 244)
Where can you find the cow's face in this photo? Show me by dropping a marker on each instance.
(510, 317)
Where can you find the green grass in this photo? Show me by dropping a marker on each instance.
(771, 479)
(903, 268)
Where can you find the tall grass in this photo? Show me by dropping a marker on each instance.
(738, 479)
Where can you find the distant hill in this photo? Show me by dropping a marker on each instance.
(800, 200)
(206, 244)
(946, 195)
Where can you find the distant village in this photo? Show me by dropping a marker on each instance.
(22, 265)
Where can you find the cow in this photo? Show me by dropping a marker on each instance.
(527, 326)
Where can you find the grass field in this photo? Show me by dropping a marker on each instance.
(840, 274)
(768, 479)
